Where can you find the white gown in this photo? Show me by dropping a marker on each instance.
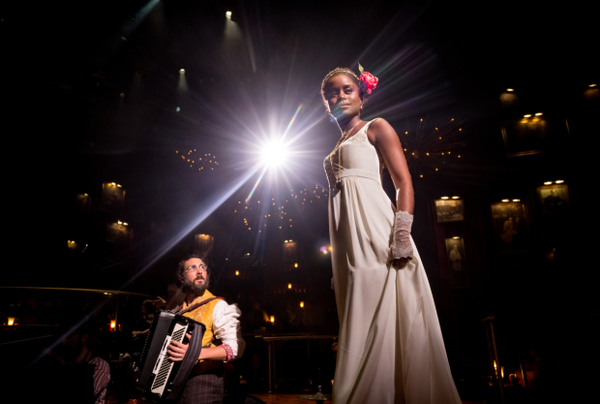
(390, 346)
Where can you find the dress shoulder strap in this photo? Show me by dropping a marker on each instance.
(366, 127)
(360, 138)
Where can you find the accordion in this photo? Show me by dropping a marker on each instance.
(159, 377)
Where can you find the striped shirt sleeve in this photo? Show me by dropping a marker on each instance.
(101, 379)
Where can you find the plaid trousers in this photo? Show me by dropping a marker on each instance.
(204, 388)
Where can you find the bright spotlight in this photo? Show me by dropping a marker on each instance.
(273, 154)
(228, 14)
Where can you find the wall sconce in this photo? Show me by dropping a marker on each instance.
(509, 97)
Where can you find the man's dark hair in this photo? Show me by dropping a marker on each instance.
(181, 266)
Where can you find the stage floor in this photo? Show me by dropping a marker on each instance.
(279, 398)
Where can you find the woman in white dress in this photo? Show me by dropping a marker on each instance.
(390, 346)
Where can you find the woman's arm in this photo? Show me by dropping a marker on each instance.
(385, 139)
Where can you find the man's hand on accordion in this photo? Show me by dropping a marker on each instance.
(177, 349)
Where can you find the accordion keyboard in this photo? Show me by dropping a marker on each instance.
(164, 365)
(159, 378)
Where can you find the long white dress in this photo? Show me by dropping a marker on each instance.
(390, 346)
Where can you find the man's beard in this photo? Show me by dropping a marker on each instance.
(197, 290)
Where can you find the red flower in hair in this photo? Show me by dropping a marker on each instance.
(369, 81)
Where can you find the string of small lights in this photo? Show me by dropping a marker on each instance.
(277, 212)
(198, 160)
(429, 149)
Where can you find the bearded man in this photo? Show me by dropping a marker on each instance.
(222, 341)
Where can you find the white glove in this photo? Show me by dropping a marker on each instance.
(401, 246)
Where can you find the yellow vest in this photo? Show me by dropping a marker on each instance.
(204, 315)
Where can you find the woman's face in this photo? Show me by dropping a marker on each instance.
(342, 96)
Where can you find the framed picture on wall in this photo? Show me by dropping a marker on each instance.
(554, 198)
(449, 210)
(455, 254)
(112, 198)
(511, 226)
(118, 233)
(83, 203)
(532, 134)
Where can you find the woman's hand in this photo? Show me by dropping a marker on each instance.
(177, 350)
(400, 263)
(401, 246)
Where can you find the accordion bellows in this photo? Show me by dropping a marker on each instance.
(160, 378)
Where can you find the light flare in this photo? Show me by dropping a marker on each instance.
(255, 185)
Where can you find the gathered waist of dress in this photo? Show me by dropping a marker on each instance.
(357, 172)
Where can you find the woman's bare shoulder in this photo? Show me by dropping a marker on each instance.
(381, 129)
(379, 123)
